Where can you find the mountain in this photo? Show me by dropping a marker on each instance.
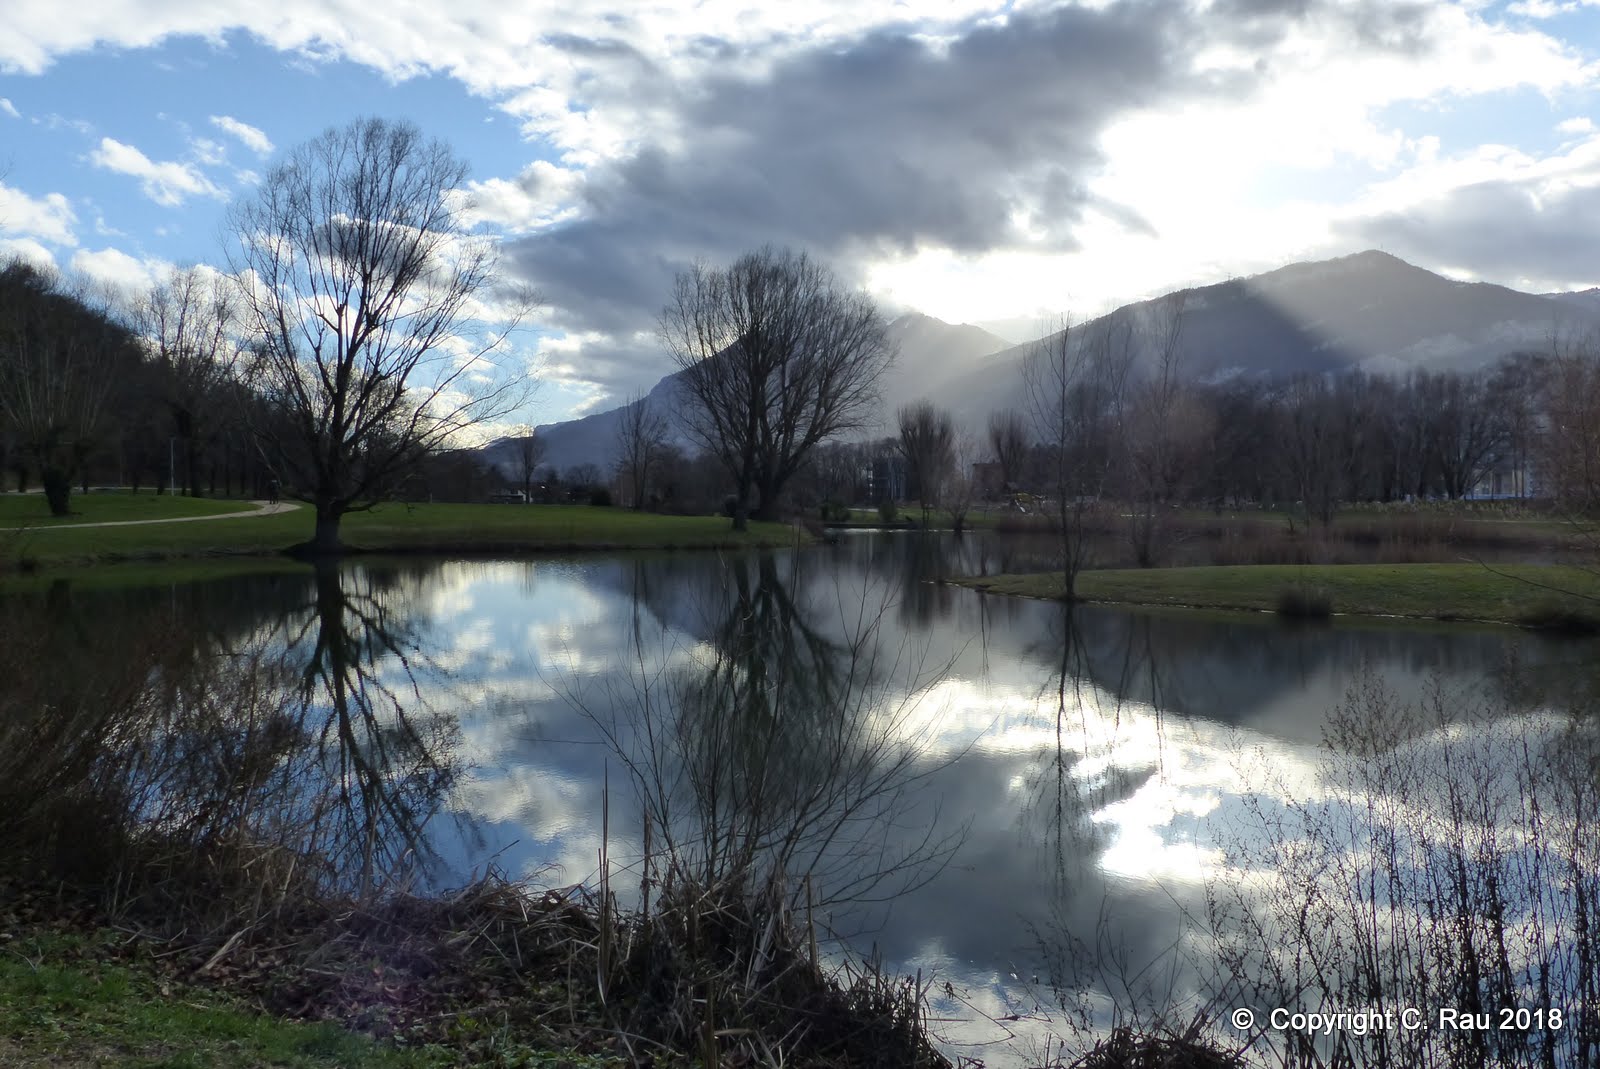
(1369, 310)
(931, 353)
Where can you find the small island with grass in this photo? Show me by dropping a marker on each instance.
(1443, 569)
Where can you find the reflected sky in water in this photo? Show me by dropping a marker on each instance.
(1080, 760)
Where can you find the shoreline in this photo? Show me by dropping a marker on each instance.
(1557, 598)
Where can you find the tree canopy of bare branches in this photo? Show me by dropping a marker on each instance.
(1074, 383)
(188, 321)
(641, 437)
(360, 278)
(59, 354)
(1008, 441)
(776, 357)
(926, 442)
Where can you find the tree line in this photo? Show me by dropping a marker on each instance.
(358, 335)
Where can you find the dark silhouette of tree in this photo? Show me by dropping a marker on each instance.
(776, 357)
(60, 350)
(527, 451)
(641, 437)
(188, 321)
(926, 442)
(1008, 440)
(360, 282)
(1075, 382)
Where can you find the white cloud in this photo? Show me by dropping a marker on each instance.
(9, 108)
(118, 271)
(252, 138)
(27, 250)
(168, 183)
(1582, 124)
(48, 218)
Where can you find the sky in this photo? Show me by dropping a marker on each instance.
(996, 163)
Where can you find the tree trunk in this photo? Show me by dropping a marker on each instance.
(326, 541)
(58, 491)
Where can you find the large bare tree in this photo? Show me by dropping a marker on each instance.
(776, 357)
(1008, 440)
(188, 320)
(360, 282)
(60, 353)
(926, 442)
(641, 437)
(1165, 427)
(527, 452)
(1074, 383)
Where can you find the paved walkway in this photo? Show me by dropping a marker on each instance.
(263, 508)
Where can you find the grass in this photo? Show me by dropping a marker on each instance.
(62, 1005)
(392, 528)
(31, 510)
(1530, 595)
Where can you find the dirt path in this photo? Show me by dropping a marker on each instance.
(263, 508)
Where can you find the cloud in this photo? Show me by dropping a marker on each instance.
(49, 218)
(27, 250)
(118, 271)
(1499, 214)
(9, 108)
(167, 183)
(252, 138)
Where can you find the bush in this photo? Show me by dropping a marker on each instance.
(1305, 603)
(1560, 617)
(600, 497)
(887, 512)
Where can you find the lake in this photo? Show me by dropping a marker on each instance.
(1059, 819)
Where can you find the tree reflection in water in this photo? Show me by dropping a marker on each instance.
(769, 760)
(236, 760)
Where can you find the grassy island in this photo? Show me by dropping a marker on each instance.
(1528, 595)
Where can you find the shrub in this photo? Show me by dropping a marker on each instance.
(887, 511)
(1560, 617)
(600, 496)
(1305, 603)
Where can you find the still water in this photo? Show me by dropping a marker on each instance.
(1032, 808)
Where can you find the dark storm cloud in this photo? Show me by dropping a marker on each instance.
(894, 142)
(1504, 229)
(891, 143)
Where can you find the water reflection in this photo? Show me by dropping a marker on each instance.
(1067, 779)
(213, 733)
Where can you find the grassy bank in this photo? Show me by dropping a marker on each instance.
(84, 999)
(389, 528)
(1529, 595)
(31, 510)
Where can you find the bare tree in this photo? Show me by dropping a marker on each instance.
(59, 352)
(1467, 427)
(1075, 383)
(1008, 439)
(188, 321)
(961, 487)
(527, 451)
(640, 438)
(776, 358)
(1569, 451)
(1165, 428)
(926, 443)
(359, 282)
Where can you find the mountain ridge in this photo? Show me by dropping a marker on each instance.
(1368, 310)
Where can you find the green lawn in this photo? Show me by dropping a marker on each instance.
(56, 1012)
(1508, 594)
(441, 528)
(31, 510)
